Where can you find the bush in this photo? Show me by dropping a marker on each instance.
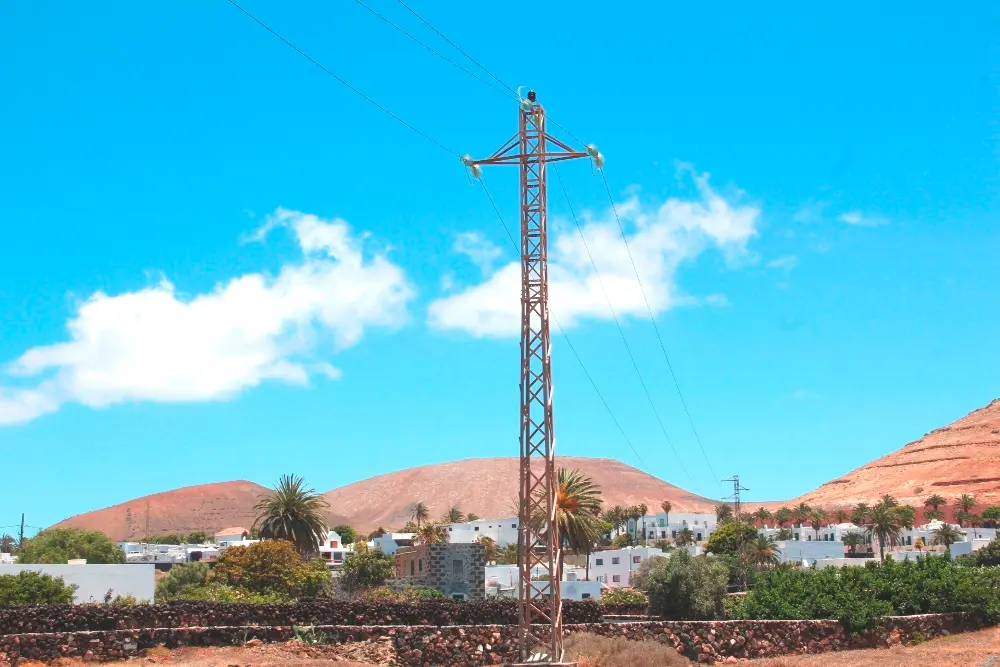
(859, 596)
(180, 581)
(29, 587)
(590, 650)
(988, 556)
(623, 596)
(58, 545)
(687, 587)
(640, 577)
(408, 594)
(367, 568)
(197, 537)
(217, 592)
(272, 568)
(729, 538)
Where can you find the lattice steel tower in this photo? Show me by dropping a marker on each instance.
(532, 148)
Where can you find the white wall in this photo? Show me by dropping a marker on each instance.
(95, 580)
(660, 526)
(501, 531)
(605, 569)
(962, 548)
(797, 552)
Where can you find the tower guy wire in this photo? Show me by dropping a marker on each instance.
(656, 328)
(621, 331)
(342, 81)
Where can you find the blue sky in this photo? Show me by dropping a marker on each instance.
(219, 263)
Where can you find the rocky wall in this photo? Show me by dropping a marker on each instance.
(709, 642)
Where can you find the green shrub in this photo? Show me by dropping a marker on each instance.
(988, 556)
(181, 580)
(29, 587)
(214, 591)
(859, 596)
(58, 545)
(272, 568)
(729, 538)
(623, 596)
(367, 568)
(686, 587)
(408, 594)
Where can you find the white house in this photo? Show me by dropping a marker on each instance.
(504, 579)
(662, 527)
(94, 582)
(235, 533)
(389, 543)
(614, 567)
(333, 550)
(967, 547)
(502, 531)
(807, 552)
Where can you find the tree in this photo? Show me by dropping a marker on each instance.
(490, 546)
(723, 512)
(859, 515)
(762, 516)
(507, 555)
(272, 567)
(431, 533)
(409, 527)
(29, 587)
(165, 539)
(293, 513)
(907, 515)
(946, 535)
(816, 519)
(640, 576)
(454, 515)
(378, 532)
(687, 587)
(347, 534)
(784, 534)
(884, 524)
(367, 568)
(181, 581)
(666, 506)
(782, 516)
(578, 510)
(197, 537)
(685, 537)
(7, 544)
(730, 537)
(801, 513)
(643, 510)
(991, 516)
(761, 553)
(918, 544)
(935, 501)
(974, 521)
(471, 517)
(888, 500)
(853, 540)
(419, 513)
(841, 516)
(933, 515)
(58, 545)
(965, 502)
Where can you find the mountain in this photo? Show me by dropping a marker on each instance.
(486, 487)
(207, 507)
(963, 457)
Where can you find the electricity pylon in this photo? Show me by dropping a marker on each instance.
(540, 604)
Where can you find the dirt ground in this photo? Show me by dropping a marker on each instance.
(974, 649)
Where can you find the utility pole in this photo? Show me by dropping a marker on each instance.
(539, 602)
(20, 537)
(737, 506)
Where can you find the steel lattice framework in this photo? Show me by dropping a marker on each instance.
(532, 148)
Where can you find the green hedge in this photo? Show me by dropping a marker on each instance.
(859, 596)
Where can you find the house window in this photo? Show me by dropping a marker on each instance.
(599, 561)
(662, 523)
(477, 528)
(458, 569)
(412, 565)
(616, 560)
(796, 537)
(673, 533)
(334, 544)
(420, 565)
(457, 596)
(697, 537)
(663, 534)
(585, 596)
(636, 559)
(809, 538)
(616, 578)
(513, 525)
(449, 529)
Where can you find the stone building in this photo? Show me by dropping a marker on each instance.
(457, 570)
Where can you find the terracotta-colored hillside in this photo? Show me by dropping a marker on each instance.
(207, 507)
(963, 457)
(488, 487)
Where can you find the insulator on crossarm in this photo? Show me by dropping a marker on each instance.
(596, 156)
(473, 168)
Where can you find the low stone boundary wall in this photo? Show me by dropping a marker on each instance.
(474, 645)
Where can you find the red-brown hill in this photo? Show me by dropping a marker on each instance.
(486, 487)
(206, 507)
(963, 457)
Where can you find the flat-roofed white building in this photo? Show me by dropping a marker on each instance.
(614, 567)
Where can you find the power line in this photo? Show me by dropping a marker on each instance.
(440, 55)
(656, 328)
(456, 46)
(342, 81)
(570, 344)
(621, 331)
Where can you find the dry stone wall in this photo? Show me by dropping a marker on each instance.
(708, 642)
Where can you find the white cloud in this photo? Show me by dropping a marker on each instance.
(660, 237)
(859, 219)
(480, 250)
(156, 345)
(786, 263)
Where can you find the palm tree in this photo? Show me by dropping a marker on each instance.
(684, 537)
(490, 547)
(643, 510)
(784, 534)
(841, 516)
(761, 553)
(666, 507)
(816, 519)
(7, 544)
(885, 526)
(762, 516)
(432, 533)
(454, 515)
(294, 513)
(965, 503)
(801, 513)
(935, 501)
(947, 534)
(859, 515)
(853, 540)
(933, 515)
(974, 521)
(723, 512)
(419, 513)
(907, 515)
(782, 516)
(888, 500)
(578, 512)
(471, 517)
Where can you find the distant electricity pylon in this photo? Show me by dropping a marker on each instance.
(737, 505)
(540, 604)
